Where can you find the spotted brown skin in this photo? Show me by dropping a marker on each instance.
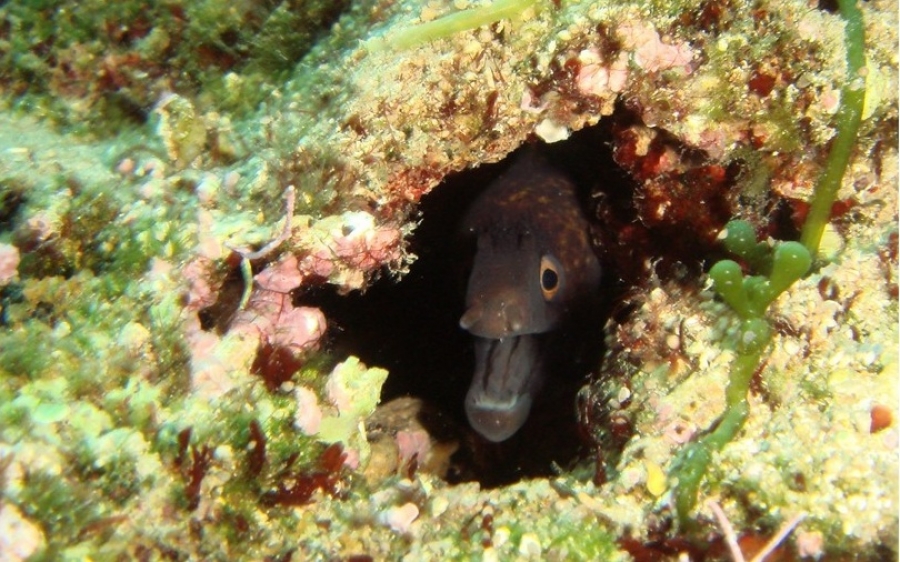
(533, 265)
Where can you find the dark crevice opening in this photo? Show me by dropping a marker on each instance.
(411, 327)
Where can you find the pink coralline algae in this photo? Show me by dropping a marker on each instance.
(369, 250)
(528, 106)
(413, 444)
(352, 247)
(308, 416)
(211, 370)
(41, 227)
(281, 277)
(596, 78)
(201, 293)
(649, 51)
(275, 321)
(343, 249)
(9, 263)
(269, 335)
(268, 321)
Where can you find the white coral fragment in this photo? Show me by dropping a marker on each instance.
(19, 537)
(551, 131)
(401, 518)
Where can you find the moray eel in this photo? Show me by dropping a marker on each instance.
(533, 265)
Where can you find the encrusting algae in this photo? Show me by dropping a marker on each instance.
(146, 149)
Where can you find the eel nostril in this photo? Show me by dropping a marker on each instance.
(471, 317)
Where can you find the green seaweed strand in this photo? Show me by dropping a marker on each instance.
(749, 297)
(778, 268)
(452, 24)
(849, 117)
(695, 458)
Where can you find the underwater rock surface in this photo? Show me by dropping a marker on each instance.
(143, 415)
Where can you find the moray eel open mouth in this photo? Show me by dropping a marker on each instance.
(508, 373)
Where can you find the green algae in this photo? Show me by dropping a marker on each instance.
(94, 62)
(451, 24)
(358, 391)
(737, 42)
(61, 509)
(751, 296)
(849, 117)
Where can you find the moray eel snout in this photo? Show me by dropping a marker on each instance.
(534, 263)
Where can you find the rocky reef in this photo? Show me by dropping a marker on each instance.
(174, 177)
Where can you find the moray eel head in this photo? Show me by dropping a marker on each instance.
(514, 288)
(533, 264)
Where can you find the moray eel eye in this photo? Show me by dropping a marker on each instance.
(549, 277)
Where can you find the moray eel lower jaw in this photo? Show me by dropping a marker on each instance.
(508, 374)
